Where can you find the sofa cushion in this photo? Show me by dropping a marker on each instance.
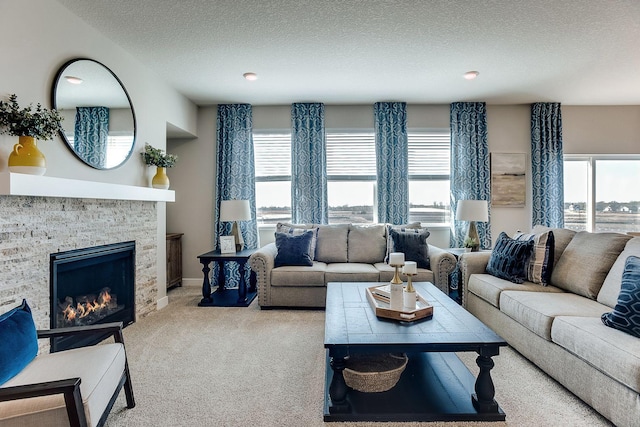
(610, 290)
(536, 310)
(540, 263)
(299, 275)
(332, 243)
(561, 238)
(626, 314)
(489, 287)
(403, 227)
(413, 243)
(367, 243)
(613, 352)
(294, 249)
(19, 341)
(351, 272)
(387, 272)
(508, 258)
(297, 229)
(586, 261)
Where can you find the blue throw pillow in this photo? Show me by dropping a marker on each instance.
(413, 243)
(509, 258)
(294, 249)
(626, 314)
(18, 341)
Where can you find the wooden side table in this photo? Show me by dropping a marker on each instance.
(222, 296)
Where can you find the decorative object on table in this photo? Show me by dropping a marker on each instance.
(28, 125)
(156, 157)
(374, 373)
(396, 260)
(379, 299)
(227, 244)
(472, 211)
(234, 211)
(470, 243)
(508, 181)
(410, 269)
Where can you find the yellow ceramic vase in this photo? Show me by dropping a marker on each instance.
(26, 158)
(160, 179)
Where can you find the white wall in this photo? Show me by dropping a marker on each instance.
(40, 36)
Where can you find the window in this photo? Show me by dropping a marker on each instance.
(429, 163)
(601, 193)
(272, 153)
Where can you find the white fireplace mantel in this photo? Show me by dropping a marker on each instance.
(17, 184)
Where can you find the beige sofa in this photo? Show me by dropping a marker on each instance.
(558, 327)
(343, 253)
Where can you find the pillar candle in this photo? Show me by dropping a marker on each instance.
(396, 258)
(410, 267)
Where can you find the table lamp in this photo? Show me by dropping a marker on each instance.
(472, 211)
(234, 211)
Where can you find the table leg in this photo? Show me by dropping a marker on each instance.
(483, 397)
(220, 276)
(242, 285)
(338, 388)
(206, 284)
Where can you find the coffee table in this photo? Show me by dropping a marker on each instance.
(435, 386)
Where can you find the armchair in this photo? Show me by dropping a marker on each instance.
(75, 387)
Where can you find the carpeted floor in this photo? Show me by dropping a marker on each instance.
(213, 366)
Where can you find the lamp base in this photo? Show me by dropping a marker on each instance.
(237, 234)
(473, 234)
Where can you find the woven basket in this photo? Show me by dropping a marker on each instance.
(374, 373)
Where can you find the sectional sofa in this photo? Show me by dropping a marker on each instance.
(342, 253)
(558, 327)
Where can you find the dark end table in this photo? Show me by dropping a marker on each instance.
(222, 296)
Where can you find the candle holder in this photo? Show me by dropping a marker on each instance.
(396, 277)
(409, 294)
(410, 287)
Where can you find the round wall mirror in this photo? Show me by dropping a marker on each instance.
(99, 124)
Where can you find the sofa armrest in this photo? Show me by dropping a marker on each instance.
(442, 264)
(471, 263)
(262, 262)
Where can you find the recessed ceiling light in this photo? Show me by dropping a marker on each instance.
(470, 75)
(250, 76)
(74, 80)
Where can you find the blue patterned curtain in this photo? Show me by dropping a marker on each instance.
(392, 161)
(235, 177)
(470, 178)
(308, 160)
(91, 135)
(547, 178)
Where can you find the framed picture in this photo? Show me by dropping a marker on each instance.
(227, 244)
(508, 180)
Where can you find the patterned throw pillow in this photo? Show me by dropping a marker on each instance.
(414, 226)
(413, 243)
(298, 229)
(540, 263)
(626, 314)
(294, 250)
(509, 258)
(19, 341)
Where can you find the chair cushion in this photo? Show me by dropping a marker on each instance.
(540, 263)
(585, 262)
(351, 272)
(367, 243)
(508, 258)
(294, 249)
(626, 314)
(489, 287)
(292, 275)
(100, 368)
(413, 243)
(296, 230)
(19, 341)
(387, 272)
(332, 243)
(610, 290)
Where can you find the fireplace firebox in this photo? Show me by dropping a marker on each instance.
(89, 286)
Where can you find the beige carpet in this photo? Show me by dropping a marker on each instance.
(212, 366)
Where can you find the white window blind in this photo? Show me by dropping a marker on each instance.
(272, 153)
(429, 154)
(351, 155)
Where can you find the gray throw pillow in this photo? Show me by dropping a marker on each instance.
(413, 243)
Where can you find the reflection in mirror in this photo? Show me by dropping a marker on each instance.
(99, 121)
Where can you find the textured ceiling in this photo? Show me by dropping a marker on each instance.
(578, 52)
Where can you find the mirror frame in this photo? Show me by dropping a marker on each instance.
(54, 104)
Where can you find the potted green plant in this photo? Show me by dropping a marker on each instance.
(29, 125)
(470, 244)
(156, 157)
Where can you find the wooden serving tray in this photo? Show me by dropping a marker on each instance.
(376, 295)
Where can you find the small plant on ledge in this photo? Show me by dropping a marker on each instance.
(157, 157)
(40, 123)
(470, 242)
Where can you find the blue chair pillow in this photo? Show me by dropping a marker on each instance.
(294, 249)
(413, 243)
(18, 341)
(509, 258)
(626, 314)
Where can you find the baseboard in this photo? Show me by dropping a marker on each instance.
(192, 282)
(162, 302)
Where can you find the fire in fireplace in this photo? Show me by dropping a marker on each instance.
(92, 285)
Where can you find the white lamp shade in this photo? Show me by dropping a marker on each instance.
(235, 210)
(472, 210)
